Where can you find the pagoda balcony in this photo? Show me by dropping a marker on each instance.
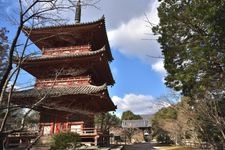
(63, 82)
(84, 132)
(88, 131)
(87, 134)
(23, 139)
(66, 50)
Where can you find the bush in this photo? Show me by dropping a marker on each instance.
(65, 140)
(164, 139)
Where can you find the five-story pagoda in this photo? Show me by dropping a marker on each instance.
(72, 76)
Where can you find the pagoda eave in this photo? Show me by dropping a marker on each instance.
(91, 98)
(67, 103)
(66, 57)
(97, 61)
(28, 30)
(51, 36)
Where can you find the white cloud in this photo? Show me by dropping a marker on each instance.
(138, 104)
(128, 39)
(159, 67)
(116, 11)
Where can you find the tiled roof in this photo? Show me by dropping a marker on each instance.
(76, 55)
(102, 19)
(40, 36)
(60, 91)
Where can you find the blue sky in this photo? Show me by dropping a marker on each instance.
(134, 76)
(139, 78)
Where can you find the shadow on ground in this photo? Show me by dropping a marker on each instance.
(139, 146)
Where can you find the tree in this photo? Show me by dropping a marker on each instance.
(65, 140)
(209, 120)
(164, 125)
(198, 122)
(192, 40)
(185, 120)
(129, 115)
(105, 121)
(32, 13)
(3, 51)
(192, 37)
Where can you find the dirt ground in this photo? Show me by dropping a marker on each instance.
(139, 146)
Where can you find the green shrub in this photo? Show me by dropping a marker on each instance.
(163, 138)
(65, 140)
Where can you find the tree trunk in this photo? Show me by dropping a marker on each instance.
(2, 140)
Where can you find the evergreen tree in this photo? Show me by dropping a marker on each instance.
(129, 115)
(105, 121)
(192, 38)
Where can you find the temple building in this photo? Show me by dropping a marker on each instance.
(72, 76)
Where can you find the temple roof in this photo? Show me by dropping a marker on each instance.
(55, 27)
(94, 61)
(70, 35)
(56, 92)
(59, 57)
(69, 99)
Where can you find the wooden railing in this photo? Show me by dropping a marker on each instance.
(89, 131)
(23, 134)
(28, 139)
(21, 139)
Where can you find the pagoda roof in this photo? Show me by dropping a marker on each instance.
(41, 28)
(56, 92)
(48, 63)
(62, 57)
(69, 99)
(71, 34)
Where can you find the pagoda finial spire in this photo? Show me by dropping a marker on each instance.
(78, 12)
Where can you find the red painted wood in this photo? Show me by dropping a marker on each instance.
(66, 50)
(63, 82)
